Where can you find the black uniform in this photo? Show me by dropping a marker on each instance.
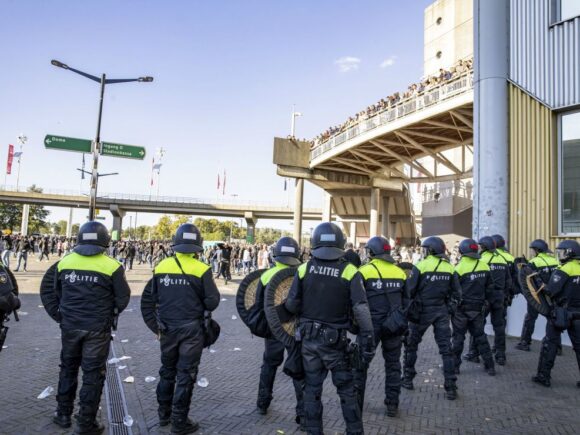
(545, 265)
(432, 281)
(386, 292)
(175, 311)
(476, 293)
(83, 294)
(324, 293)
(564, 290)
(274, 355)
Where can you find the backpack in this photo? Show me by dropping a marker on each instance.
(8, 300)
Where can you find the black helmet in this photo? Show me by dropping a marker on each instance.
(93, 238)
(499, 241)
(434, 246)
(568, 250)
(187, 239)
(540, 245)
(487, 244)
(287, 251)
(327, 241)
(469, 248)
(379, 247)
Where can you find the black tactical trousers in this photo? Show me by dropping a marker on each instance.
(319, 357)
(474, 322)
(439, 318)
(497, 314)
(529, 325)
(273, 358)
(391, 347)
(550, 345)
(180, 354)
(88, 350)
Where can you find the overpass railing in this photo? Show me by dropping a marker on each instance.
(405, 107)
(154, 199)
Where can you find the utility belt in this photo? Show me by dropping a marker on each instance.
(471, 306)
(329, 335)
(164, 328)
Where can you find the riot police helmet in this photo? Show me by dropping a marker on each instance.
(568, 250)
(539, 246)
(287, 251)
(379, 247)
(499, 241)
(187, 239)
(93, 238)
(327, 242)
(487, 244)
(469, 248)
(433, 246)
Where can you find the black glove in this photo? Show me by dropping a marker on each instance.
(367, 343)
(452, 307)
(485, 308)
(508, 300)
(283, 314)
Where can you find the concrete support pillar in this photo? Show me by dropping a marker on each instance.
(490, 120)
(251, 222)
(374, 217)
(327, 208)
(352, 235)
(385, 218)
(25, 215)
(298, 202)
(69, 223)
(118, 215)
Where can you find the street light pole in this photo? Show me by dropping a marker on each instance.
(22, 139)
(96, 145)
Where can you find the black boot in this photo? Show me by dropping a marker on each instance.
(450, 390)
(471, 357)
(62, 420)
(182, 427)
(522, 345)
(500, 358)
(542, 380)
(95, 428)
(407, 383)
(164, 416)
(262, 410)
(392, 408)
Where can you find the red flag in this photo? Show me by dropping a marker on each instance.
(218, 184)
(224, 186)
(10, 159)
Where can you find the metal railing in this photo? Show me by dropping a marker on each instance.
(154, 199)
(403, 108)
(457, 189)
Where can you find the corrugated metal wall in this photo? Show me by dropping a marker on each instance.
(544, 59)
(532, 176)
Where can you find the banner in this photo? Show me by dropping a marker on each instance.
(10, 159)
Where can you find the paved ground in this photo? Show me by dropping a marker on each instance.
(506, 404)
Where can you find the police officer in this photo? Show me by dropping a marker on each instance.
(173, 305)
(564, 291)
(544, 264)
(286, 254)
(324, 293)
(9, 301)
(502, 280)
(433, 283)
(476, 293)
(84, 292)
(387, 297)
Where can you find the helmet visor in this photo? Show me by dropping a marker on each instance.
(562, 254)
(424, 253)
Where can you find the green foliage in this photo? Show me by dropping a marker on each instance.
(75, 229)
(11, 215)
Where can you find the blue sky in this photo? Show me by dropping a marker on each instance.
(226, 76)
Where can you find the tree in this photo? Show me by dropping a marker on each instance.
(59, 227)
(162, 230)
(11, 215)
(75, 229)
(267, 235)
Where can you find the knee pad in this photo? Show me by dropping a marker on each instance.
(167, 373)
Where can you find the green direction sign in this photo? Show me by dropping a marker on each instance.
(67, 143)
(120, 150)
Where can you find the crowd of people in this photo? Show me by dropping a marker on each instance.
(393, 100)
(19, 247)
